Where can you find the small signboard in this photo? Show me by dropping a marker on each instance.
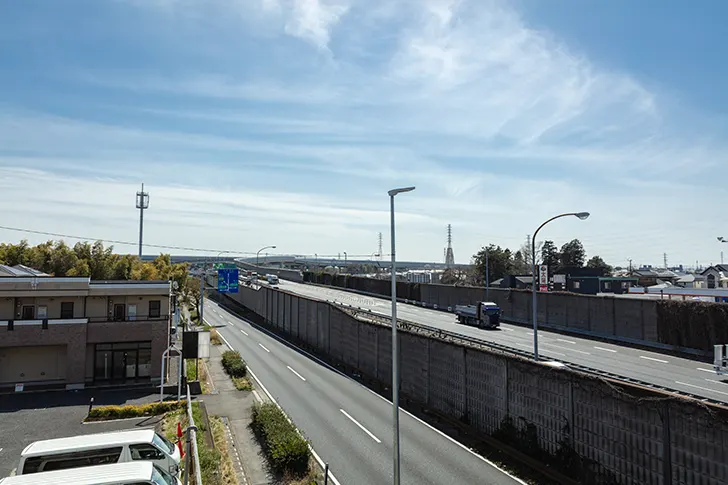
(19, 387)
(543, 288)
(543, 275)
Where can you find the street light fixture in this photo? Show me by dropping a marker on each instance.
(395, 359)
(581, 216)
(257, 255)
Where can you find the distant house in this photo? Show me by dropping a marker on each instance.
(716, 276)
(520, 282)
(690, 281)
(592, 285)
(652, 277)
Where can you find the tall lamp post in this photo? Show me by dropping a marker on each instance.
(395, 359)
(580, 215)
(257, 255)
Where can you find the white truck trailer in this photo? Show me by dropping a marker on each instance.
(484, 314)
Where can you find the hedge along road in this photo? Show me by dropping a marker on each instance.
(670, 372)
(348, 425)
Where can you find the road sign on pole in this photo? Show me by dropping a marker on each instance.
(543, 277)
(227, 280)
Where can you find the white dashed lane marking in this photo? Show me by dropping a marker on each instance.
(653, 359)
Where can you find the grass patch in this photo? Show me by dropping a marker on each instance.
(104, 413)
(242, 384)
(287, 451)
(203, 377)
(233, 364)
(227, 473)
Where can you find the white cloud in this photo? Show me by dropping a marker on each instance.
(498, 124)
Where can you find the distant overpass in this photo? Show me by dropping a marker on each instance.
(300, 262)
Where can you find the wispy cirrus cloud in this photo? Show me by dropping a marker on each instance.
(301, 113)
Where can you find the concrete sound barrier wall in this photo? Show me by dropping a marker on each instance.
(601, 431)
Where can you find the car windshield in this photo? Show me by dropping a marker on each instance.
(161, 477)
(163, 444)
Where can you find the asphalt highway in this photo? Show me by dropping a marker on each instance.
(662, 370)
(348, 425)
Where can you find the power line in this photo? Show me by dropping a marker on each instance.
(115, 241)
(160, 246)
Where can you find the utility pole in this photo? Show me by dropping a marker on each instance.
(379, 253)
(487, 276)
(142, 202)
(664, 259)
(630, 266)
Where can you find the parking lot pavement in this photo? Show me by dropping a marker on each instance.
(25, 418)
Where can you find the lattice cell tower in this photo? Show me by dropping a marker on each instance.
(449, 256)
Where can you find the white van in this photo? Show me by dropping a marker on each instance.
(100, 449)
(272, 279)
(133, 473)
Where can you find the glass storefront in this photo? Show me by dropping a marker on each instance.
(122, 362)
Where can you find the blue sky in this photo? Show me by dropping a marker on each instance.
(286, 121)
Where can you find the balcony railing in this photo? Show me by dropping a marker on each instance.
(128, 318)
(43, 322)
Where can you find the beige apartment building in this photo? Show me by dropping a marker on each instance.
(74, 332)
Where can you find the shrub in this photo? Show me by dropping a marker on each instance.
(133, 411)
(286, 449)
(233, 364)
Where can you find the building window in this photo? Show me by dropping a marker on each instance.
(119, 312)
(66, 309)
(28, 312)
(607, 285)
(711, 281)
(577, 285)
(624, 284)
(123, 361)
(42, 312)
(155, 308)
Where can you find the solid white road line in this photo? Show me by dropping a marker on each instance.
(299, 375)
(702, 388)
(371, 435)
(605, 350)
(263, 347)
(225, 340)
(244, 332)
(653, 359)
(712, 371)
(337, 371)
(313, 452)
(567, 341)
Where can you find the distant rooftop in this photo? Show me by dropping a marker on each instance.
(20, 271)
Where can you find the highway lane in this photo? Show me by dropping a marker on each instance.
(348, 425)
(685, 375)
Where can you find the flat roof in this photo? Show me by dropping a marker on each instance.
(88, 441)
(127, 472)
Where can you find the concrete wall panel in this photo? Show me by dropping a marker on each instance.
(295, 313)
(368, 350)
(487, 390)
(624, 436)
(447, 378)
(628, 318)
(384, 355)
(699, 446)
(414, 366)
(322, 326)
(539, 398)
(601, 314)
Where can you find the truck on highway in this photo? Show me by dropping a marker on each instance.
(484, 314)
(272, 279)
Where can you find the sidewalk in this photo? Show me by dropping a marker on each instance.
(233, 405)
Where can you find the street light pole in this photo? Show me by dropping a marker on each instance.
(257, 255)
(580, 215)
(395, 353)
